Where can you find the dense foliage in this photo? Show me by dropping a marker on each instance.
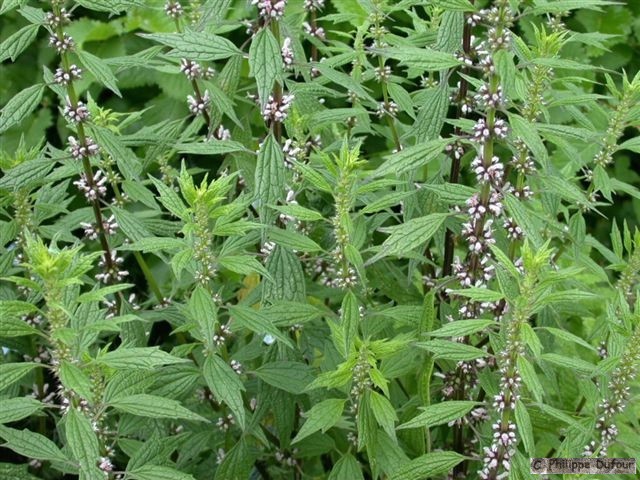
(287, 239)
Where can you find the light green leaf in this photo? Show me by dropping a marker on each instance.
(82, 440)
(411, 158)
(322, 416)
(384, 413)
(153, 244)
(432, 114)
(265, 63)
(14, 409)
(409, 235)
(152, 406)
(225, 385)
(530, 378)
(32, 445)
(140, 358)
(212, 147)
(423, 59)
(127, 162)
(292, 377)
(15, 44)
(292, 240)
(523, 421)
(100, 70)
(26, 174)
(346, 468)
(460, 328)
(73, 378)
(197, 46)
(256, 322)
(158, 472)
(577, 365)
(439, 414)
(478, 294)
(451, 350)
(269, 175)
(170, 199)
(299, 212)
(20, 106)
(428, 465)
(10, 373)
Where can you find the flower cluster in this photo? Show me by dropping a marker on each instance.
(270, 9)
(110, 265)
(276, 110)
(198, 105)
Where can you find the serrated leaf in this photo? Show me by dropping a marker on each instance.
(243, 264)
(256, 322)
(575, 364)
(211, 147)
(27, 174)
(451, 350)
(460, 328)
(10, 373)
(478, 294)
(530, 378)
(322, 416)
(292, 377)
(144, 358)
(428, 465)
(15, 327)
(154, 244)
(127, 162)
(423, 59)
(523, 421)
(269, 175)
(432, 114)
(100, 70)
(292, 240)
(14, 409)
(299, 212)
(170, 199)
(569, 337)
(346, 467)
(32, 445)
(152, 406)
(411, 158)
(158, 472)
(20, 106)
(439, 414)
(409, 235)
(15, 44)
(383, 412)
(81, 439)
(73, 378)
(225, 385)
(196, 46)
(265, 63)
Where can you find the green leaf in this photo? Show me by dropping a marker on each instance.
(456, 5)
(211, 147)
(569, 337)
(322, 416)
(451, 350)
(127, 162)
(32, 445)
(450, 193)
(386, 201)
(350, 316)
(423, 59)
(299, 212)
(478, 294)
(196, 46)
(432, 114)
(292, 377)
(10, 373)
(523, 421)
(530, 378)
(152, 406)
(99, 294)
(460, 328)
(225, 385)
(528, 133)
(15, 44)
(347, 467)
(439, 414)
(409, 235)
(73, 378)
(384, 413)
(26, 174)
(143, 358)
(81, 439)
(411, 158)
(577, 365)
(237, 463)
(14, 409)
(428, 465)
(558, 6)
(100, 70)
(153, 244)
(265, 63)
(15, 327)
(158, 472)
(20, 106)
(292, 240)
(269, 176)
(256, 322)
(170, 199)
